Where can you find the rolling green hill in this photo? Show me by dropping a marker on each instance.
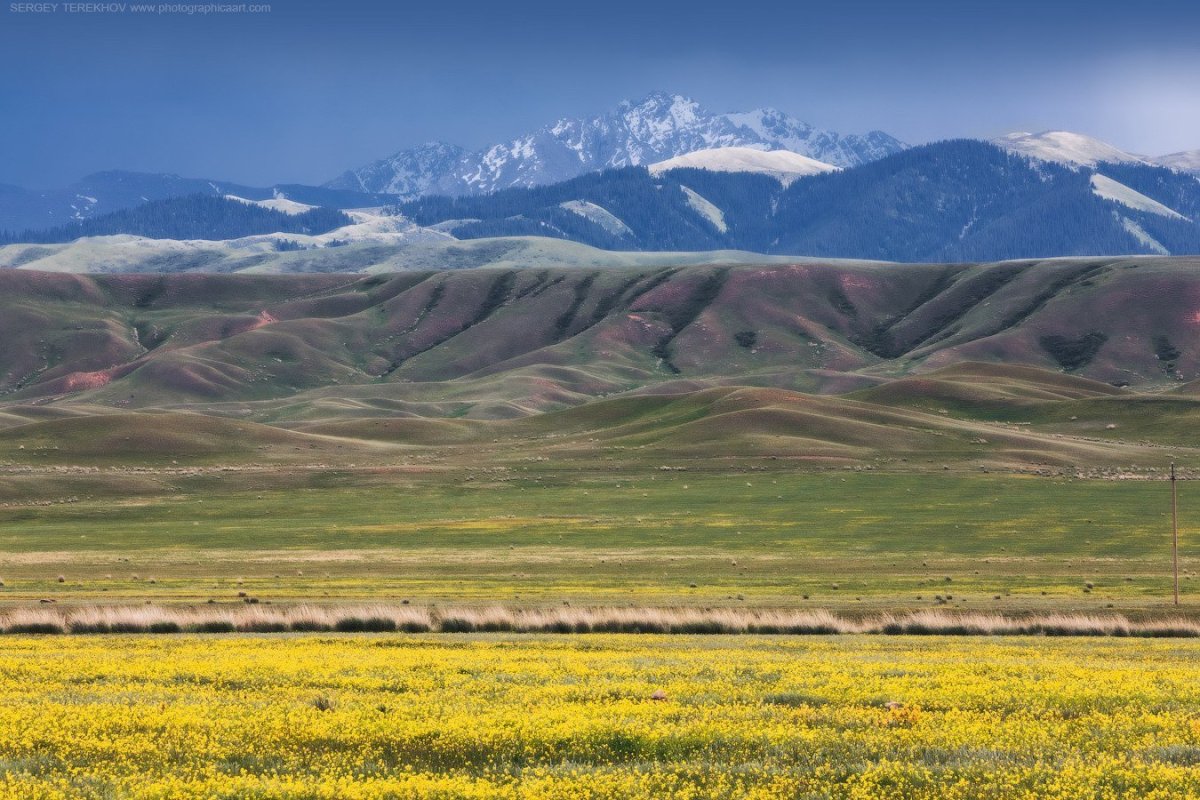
(504, 343)
(1067, 364)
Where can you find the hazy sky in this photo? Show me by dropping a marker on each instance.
(309, 89)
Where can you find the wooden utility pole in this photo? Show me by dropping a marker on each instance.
(1175, 531)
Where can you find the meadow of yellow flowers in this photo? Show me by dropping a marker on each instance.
(597, 716)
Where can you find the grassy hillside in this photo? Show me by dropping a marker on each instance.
(538, 339)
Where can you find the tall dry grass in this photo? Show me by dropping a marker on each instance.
(413, 619)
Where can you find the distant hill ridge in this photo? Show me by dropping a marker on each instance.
(190, 217)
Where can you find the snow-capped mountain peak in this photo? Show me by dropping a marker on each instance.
(410, 172)
(1066, 147)
(1187, 161)
(770, 123)
(658, 127)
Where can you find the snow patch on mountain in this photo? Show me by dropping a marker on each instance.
(599, 215)
(375, 225)
(783, 165)
(1065, 147)
(1145, 239)
(705, 208)
(657, 128)
(277, 203)
(84, 208)
(378, 226)
(1107, 188)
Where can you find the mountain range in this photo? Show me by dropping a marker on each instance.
(962, 200)
(658, 127)
(656, 175)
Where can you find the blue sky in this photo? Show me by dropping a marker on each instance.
(309, 89)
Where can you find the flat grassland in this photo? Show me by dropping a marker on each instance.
(345, 717)
(535, 536)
